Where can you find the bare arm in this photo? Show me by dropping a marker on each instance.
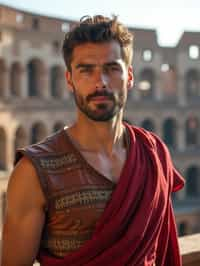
(24, 218)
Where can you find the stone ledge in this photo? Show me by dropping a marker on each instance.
(190, 250)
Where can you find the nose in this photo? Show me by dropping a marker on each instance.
(101, 80)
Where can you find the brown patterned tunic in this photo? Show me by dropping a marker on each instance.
(76, 194)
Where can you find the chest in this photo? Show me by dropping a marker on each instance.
(110, 167)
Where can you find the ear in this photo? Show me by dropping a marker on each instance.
(68, 76)
(130, 78)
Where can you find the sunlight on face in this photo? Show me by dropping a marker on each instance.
(99, 80)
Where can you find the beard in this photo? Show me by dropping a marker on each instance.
(103, 111)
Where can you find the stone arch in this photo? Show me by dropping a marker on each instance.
(38, 132)
(3, 74)
(192, 82)
(2, 149)
(57, 81)
(36, 77)
(58, 125)
(169, 132)
(193, 182)
(192, 131)
(16, 79)
(148, 124)
(146, 83)
(21, 139)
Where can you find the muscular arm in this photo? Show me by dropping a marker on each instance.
(24, 216)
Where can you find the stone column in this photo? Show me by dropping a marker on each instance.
(10, 141)
(181, 135)
(6, 83)
(158, 89)
(44, 84)
(135, 93)
(65, 90)
(181, 90)
(24, 84)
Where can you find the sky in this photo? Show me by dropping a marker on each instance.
(169, 18)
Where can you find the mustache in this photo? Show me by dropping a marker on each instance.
(110, 95)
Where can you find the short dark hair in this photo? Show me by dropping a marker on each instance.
(98, 29)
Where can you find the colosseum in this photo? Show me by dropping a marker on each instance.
(35, 102)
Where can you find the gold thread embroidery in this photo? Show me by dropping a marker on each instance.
(65, 244)
(58, 162)
(82, 198)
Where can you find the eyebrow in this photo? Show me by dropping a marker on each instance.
(87, 65)
(83, 65)
(112, 63)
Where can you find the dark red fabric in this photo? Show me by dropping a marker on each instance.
(137, 227)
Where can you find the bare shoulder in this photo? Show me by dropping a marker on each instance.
(24, 187)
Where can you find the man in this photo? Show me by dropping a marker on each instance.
(97, 192)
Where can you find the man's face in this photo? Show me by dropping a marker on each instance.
(99, 80)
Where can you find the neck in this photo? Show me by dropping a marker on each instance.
(95, 136)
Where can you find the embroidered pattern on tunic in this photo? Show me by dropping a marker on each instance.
(63, 242)
(52, 163)
(62, 246)
(79, 198)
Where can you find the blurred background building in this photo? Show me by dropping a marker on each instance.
(35, 102)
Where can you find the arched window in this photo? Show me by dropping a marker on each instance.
(36, 77)
(15, 79)
(169, 132)
(20, 138)
(3, 71)
(182, 229)
(168, 82)
(57, 81)
(192, 83)
(146, 83)
(38, 132)
(2, 149)
(148, 124)
(192, 131)
(193, 182)
(58, 126)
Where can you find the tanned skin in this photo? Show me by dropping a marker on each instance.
(24, 218)
(95, 68)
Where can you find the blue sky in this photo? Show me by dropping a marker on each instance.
(170, 18)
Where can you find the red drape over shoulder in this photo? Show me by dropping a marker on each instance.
(137, 226)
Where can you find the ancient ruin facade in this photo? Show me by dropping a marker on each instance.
(35, 102)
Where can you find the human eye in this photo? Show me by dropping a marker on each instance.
(86, 69)
(113, 68)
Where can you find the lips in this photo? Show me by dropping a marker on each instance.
(100, 98)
